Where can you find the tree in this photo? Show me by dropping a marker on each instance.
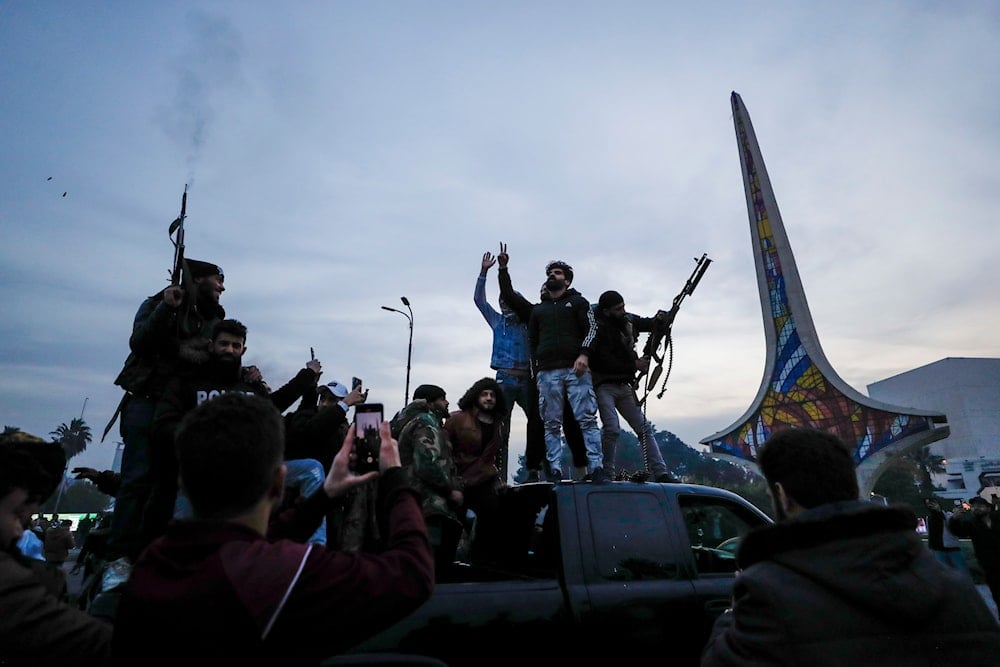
(928, 465)
(10, 430)
(79, 497)
(73, 438)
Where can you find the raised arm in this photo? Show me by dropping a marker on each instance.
(490, 314)
(517, 303)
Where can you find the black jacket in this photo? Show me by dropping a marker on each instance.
(850, 584)
(560, 330)
(612, 353)
(163, 338)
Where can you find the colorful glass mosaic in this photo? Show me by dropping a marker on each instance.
(797, 393)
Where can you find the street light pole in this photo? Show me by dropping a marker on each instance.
(409, 348)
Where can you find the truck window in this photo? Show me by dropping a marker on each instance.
(715, 527)
(629, 537)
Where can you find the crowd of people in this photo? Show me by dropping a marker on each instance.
(243, 524)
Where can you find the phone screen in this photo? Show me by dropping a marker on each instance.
(367, 420)
(367, 416)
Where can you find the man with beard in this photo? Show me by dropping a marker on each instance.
(222, 373)
(171, 330)
(841, 581)
(426, 454)
(614, 363)
(560, 331)
(510, 332)
(37, 624)
(476, 431)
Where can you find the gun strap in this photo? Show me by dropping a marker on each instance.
(114, 417)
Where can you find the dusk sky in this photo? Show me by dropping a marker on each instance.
(340, 155)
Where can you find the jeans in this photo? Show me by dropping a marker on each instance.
(615, 397)
(524, 392)
(125, 537)
(555, 386)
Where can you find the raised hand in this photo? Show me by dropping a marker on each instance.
(502, 256)
(488, 261)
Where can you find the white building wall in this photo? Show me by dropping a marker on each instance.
(967, 390)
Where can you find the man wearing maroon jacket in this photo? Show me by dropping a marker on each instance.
(216, 590)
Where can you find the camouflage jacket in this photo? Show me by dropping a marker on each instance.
(425, 452)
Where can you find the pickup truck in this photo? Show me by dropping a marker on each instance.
(634, 569)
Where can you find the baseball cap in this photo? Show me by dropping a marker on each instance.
(336, 388)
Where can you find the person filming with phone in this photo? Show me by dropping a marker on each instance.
(236, 584)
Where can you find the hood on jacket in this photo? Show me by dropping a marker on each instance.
(866, 553)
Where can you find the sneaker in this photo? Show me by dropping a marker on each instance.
(599, 476)
(555, 475)
(665, 478)
(532, 477)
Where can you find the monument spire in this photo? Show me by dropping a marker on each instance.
(800, 387)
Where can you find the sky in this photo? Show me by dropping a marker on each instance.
(341, 155)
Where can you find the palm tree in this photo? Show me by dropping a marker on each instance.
(928, 464)
(73, 438)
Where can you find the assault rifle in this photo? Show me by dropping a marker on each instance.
(177, 226)
(660, 335)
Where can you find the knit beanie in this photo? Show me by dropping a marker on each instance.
(200, 269)
(429, 392)
(610, 299)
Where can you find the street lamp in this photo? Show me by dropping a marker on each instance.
(409, 348)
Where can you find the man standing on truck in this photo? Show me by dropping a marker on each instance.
(614, 363)
(171, 330)
(560, 331)
(842, 580)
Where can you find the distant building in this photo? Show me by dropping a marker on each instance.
(116, 465)
(968, 391)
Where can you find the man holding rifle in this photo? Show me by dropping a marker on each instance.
(171, 328)
(614, 363)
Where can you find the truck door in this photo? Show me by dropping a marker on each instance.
(714, 527)
(639, 594)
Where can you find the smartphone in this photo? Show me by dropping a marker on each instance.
(367, 420)
(355, 383)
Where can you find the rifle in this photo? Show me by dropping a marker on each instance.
(664, 321)
(178, 227)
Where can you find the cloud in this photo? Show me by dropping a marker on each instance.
(343, 155)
